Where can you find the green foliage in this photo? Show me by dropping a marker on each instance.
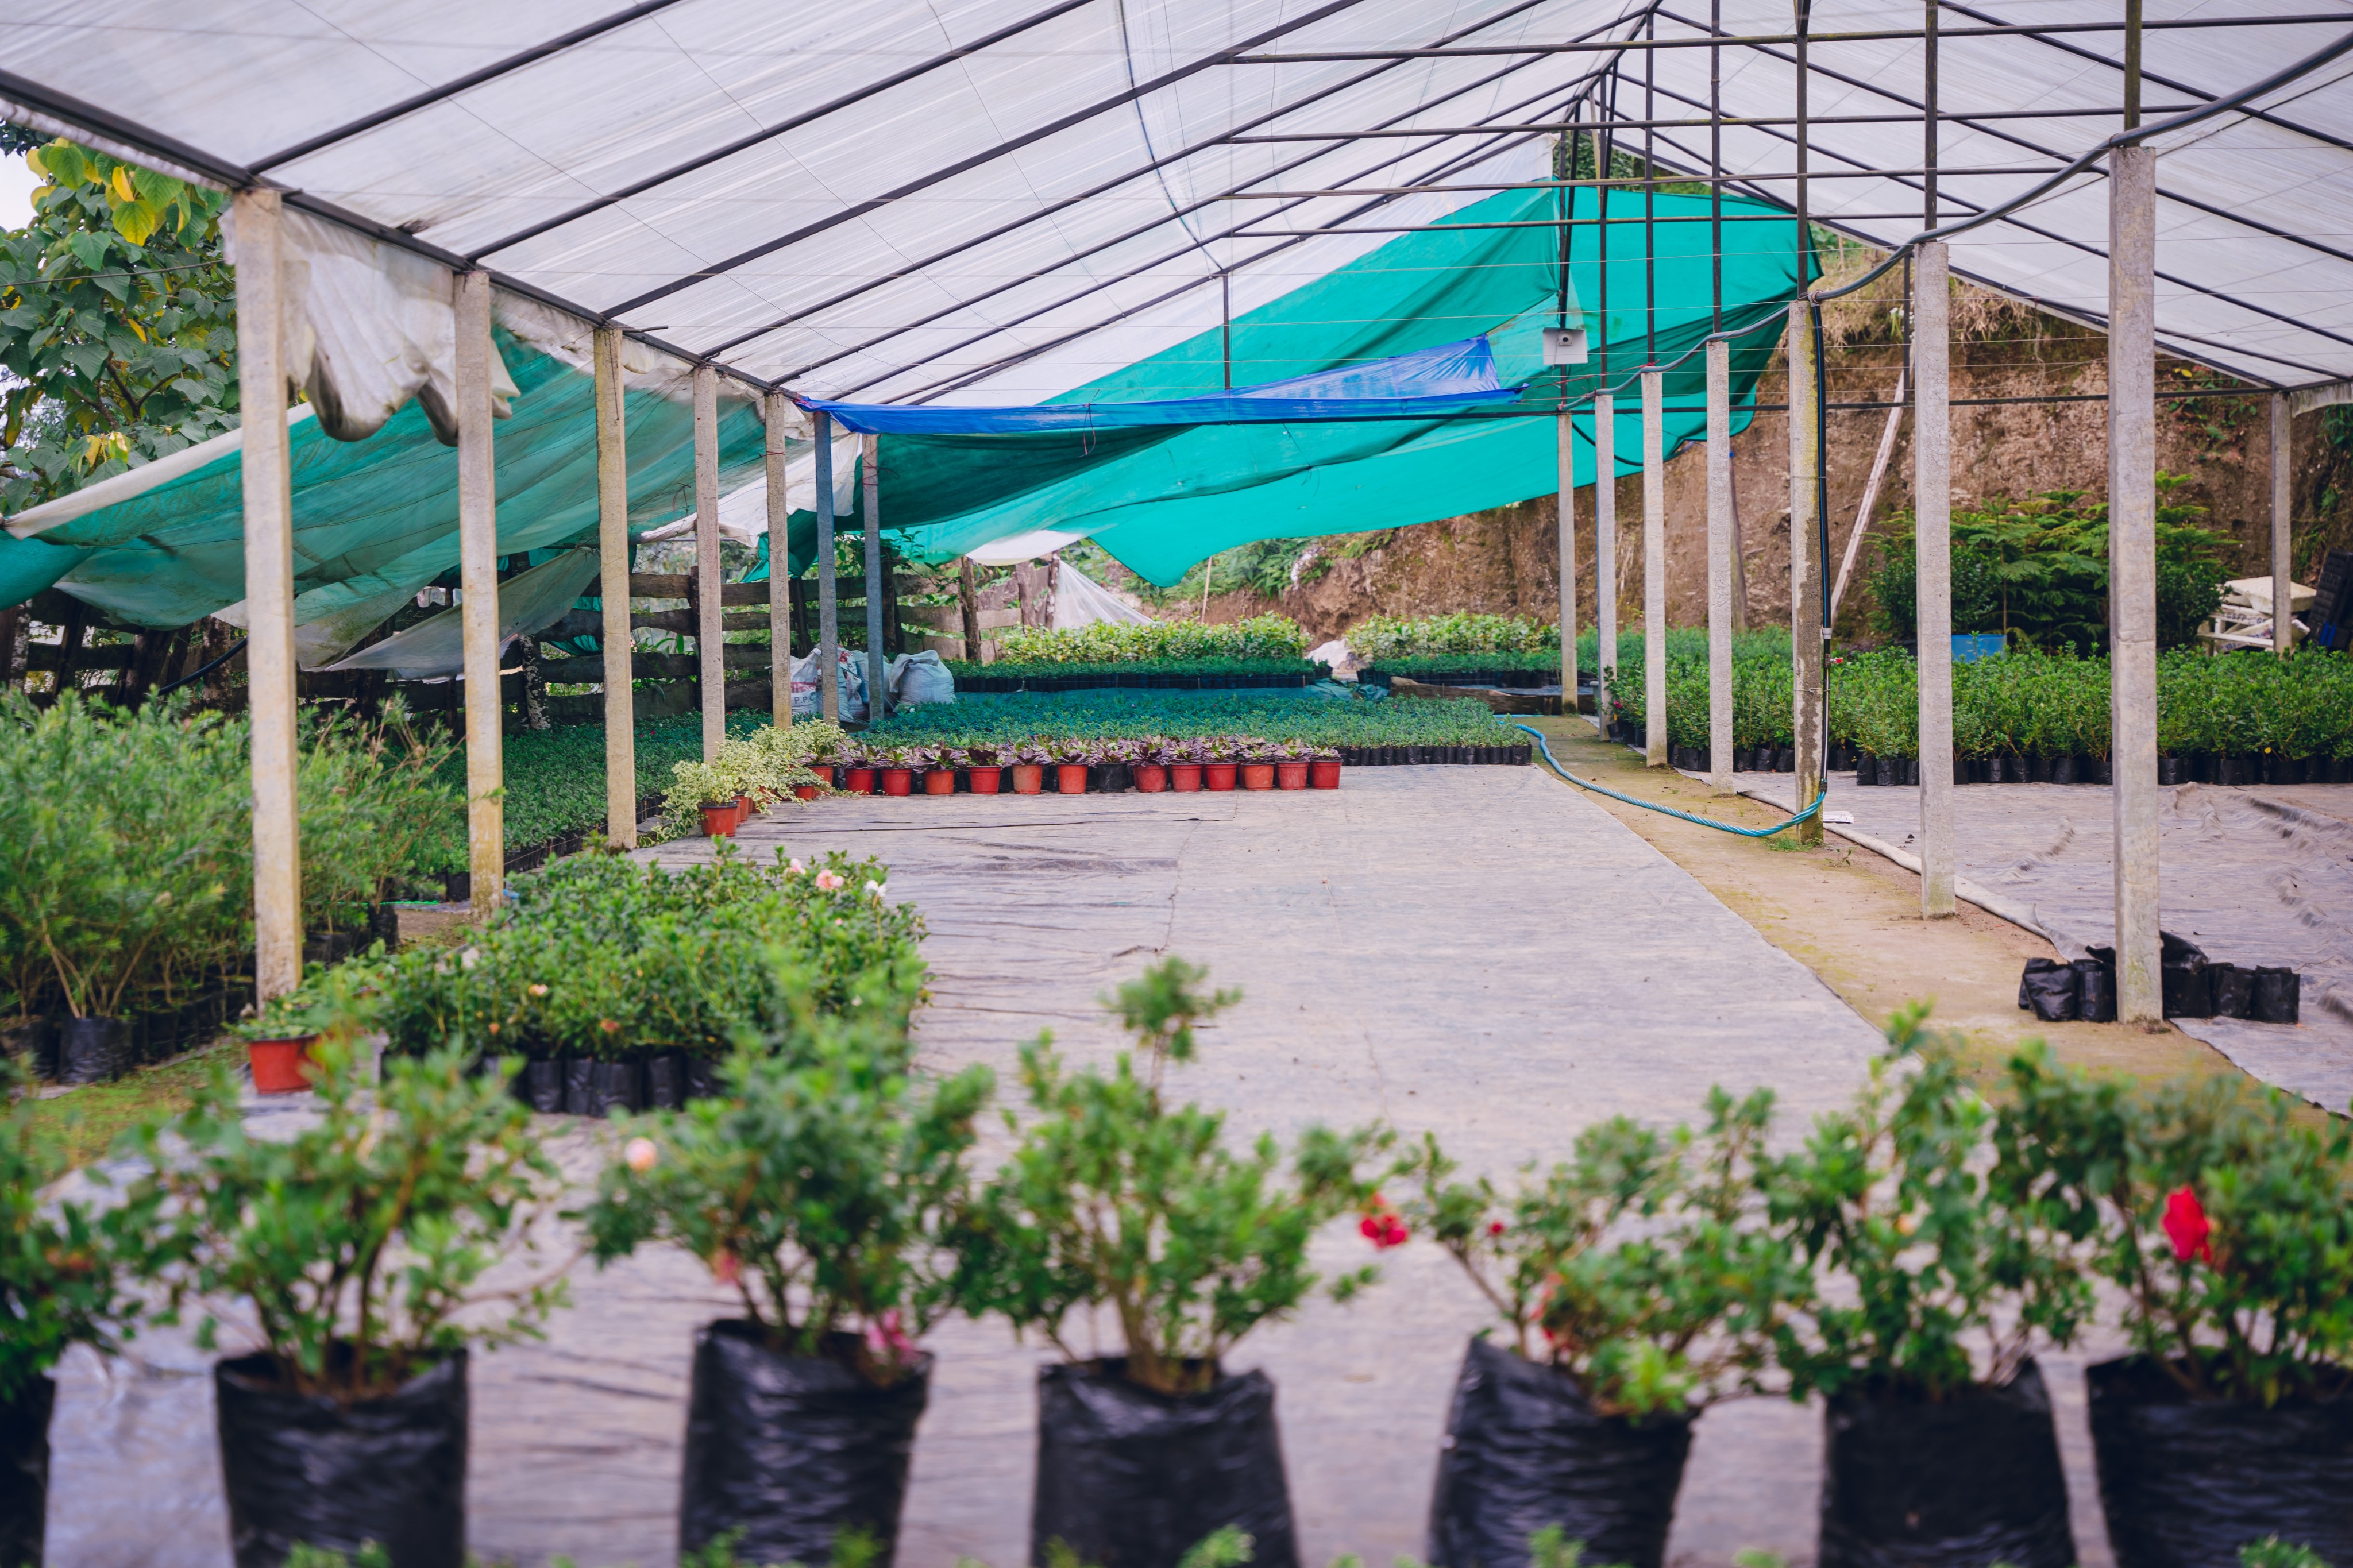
(818, 1187)
(1644, 1261)
(1381, 639)
(1114, 642)
(1914, 1263)
(2248, 1293)
(1116, 1198)
(2271, 1551)
(362, 1240)
(116, 333)
(59, 1271)
(768, 764)
(1547, 660)
(964, 670)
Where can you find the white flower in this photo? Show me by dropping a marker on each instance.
(467, 959)
(880, 890)
(640, 1154)
(795, 868)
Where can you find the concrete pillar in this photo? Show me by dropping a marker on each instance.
(1605, 547)
(2132, 573)
(710, 642)
(777, 408)
(828, 605)
(1805, 566)
(265, 472)
(877, 588)
(1721, 545)
(1932, 490)
(1654, 568)
(1565, 436)
(478, 578)
(613, 571)
(2282, 524)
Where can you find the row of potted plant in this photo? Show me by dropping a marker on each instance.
(1150, 763)
(1905, 1262)
(1359, 719)
(746, 775)
(1109, 643)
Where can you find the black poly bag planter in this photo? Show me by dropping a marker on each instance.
(579, 1086)
(702, 1081)
(2053, 994)
(2095, 991)
(2189, 990)
(2186, 1482)
(32, 1042)
(615, 1086)
(1525, 1450)
(302, 1467)
(2062, 772)
(1787, 762)
(1970, 1481)
(2279, 996)
(1891, 771)
(2034, 966)
(25, 1472)
(2234, 990)
(540, 1084)
(793, 1450)
(665, 1081)
(1866, 769)
(90, 1050)
(1131, 1478)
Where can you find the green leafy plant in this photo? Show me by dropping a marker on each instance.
(1258, 637)
(60, 1275)
(1381, 639)
(362, 1241)
(1114, 1197)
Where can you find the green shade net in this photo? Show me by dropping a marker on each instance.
(1162, 500)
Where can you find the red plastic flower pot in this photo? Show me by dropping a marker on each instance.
(807, 792)
(1028, 778)
(984, 781)
(1291, 776)
(718, 821)
(859, 782)
(898, 781)
(1258, 776)
(280, 1066)
(1219, 776)
(746, 808)
(1151, 777)
(1324, 772)
(1071, 778)
(1185, 778)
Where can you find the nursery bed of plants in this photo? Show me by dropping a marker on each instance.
(1143, 675)
(1257, 640)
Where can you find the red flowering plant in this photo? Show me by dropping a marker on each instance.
(2215, 1209)
(1643, 1265)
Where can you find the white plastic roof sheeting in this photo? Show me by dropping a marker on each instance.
(995, 200)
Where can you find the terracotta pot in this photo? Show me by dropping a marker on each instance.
(718, 821)
(1219, 776)
(746, 808)
(984, 781)
(1258, 776)
(1151, 777)
(1071, 778)
(861, 781)
(1291, 776)
(280, 1066)
(1028, 778)
(1324, 772)
(807, 792)
(898, 781)
(1185, 778)
(940, 781)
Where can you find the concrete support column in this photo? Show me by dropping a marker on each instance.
(1721, 545)
(877, 704)
(710, 644)
(612, 572)
(1654, 568)
(1565, 436)
(265, 472)
(478, 579)
(2132, 573)
(1932, 490)
(828, 604)
(1605, 549)
(779, 409)
(2282, 524)
(1805, 565)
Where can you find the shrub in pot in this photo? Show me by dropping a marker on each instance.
(816, 1187)
(1932, 1298)
(1640, 1282)
(702, 795)
(361, 1244)
(1115, 1198)
(2219, 1221)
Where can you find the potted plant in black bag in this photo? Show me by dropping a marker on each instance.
(360, 1244)
(2221, 1222)
(815, 1187)
(1640, 1282)
(1933, 1298)
(1115, 1198)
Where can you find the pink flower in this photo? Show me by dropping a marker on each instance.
(2186, 1228)
(795, 868)
(723, 1267)
(886, 1340)
(828, 882)
(1381, 1226)
(1495, 1227)
(640, 1154)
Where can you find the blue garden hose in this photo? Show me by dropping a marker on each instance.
(1553, 762)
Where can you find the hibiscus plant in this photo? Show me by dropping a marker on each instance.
(1116, 1198)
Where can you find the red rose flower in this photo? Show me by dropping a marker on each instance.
(2187, 1226)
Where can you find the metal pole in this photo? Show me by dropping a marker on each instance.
(477, 577)
(1928, 123)
(2132, 573)
(1932, 492)
(266, 474)
(1605, 546)
(1715, 169)
(1719, 567)
(878, 698)
(829, 608)
(710, 644)
(1805, 568)
(1654, 568)
(612, 572)
(1565, 433)
(1226, 324)
(2282, 525)
(1649, 199)
(779, 409)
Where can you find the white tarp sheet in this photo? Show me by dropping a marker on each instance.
(528, 602)
(1081, 601)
